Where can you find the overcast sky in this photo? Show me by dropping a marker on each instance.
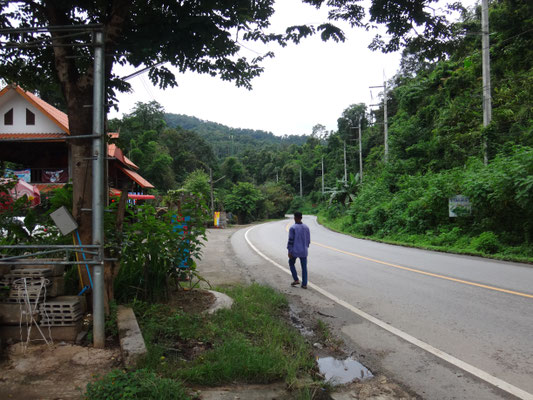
(303, 85)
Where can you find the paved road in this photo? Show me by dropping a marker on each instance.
(447, 326)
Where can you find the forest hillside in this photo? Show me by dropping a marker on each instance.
(228, 141)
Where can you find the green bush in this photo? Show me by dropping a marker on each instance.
(138, 385)
(278, 198)
(246, 201)
(150, 248)
(487, 242)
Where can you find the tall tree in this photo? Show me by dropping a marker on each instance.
(348, 123)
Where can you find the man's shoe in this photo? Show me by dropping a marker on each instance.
(304, 287)
(295, 283)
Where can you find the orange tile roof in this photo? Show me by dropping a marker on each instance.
(130, 163)
(114, 151)
(137, 178)
(58, 117)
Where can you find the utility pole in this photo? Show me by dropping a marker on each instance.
(385, 119)
(385, 122)
(360, 153)
(98, 190)
(212, 195)
(322, 174)
(301, 190)
(485, 53)
(212, 187)
(345, 170)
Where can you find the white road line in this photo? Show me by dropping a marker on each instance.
(507, 387)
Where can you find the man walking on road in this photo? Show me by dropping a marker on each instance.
(299, 240)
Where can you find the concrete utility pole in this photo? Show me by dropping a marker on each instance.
(360, 153)
(385, 122)
(98, 191)
(485, 53)
(212, 194)
(385, 119)
(345, 169)
(301, 189)
(322, 174)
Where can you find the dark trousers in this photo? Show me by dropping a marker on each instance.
(303, 262)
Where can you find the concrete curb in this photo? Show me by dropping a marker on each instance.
(132, 343)
(221, 301)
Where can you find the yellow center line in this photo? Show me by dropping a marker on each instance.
(426, 273)
(497, 289)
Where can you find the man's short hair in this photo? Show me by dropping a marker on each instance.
(297, 214)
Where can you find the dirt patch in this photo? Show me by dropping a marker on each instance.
(191, 301)
(377, 388)
(60, 371)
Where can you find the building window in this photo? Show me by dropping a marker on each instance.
(30, 117)
(8, 117)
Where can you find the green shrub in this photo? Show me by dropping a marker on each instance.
(246, 201)
(487, 242)
(138, 385)
(448, 237)
(278, 198)
(302, 204)
(150, 248)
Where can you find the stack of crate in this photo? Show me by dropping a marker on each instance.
(65, 311)
(62, 315)
(30, 282)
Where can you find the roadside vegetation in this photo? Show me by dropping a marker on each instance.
(413, 210)
(250, 343)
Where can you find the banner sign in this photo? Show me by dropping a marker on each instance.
(24, 174)
(55, 176)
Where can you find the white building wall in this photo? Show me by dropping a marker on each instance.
(12, 99)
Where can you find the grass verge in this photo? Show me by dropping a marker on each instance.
(250, 343)
(438, 242)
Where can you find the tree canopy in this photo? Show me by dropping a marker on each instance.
(199, 36)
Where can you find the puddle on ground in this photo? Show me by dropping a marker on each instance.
(342, 371)
(334, 370)
(297, 322)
